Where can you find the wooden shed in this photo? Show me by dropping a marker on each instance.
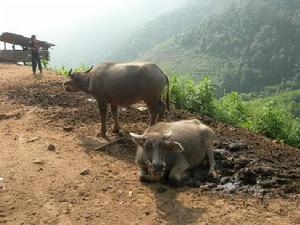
(21, 53)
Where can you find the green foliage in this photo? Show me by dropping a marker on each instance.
(232, 109)
(271, 121)
(290, 100)
(243, 45)
(45, 63)
(293, 135)
(193, 96)
(82, 68)
(264, 116)
(64, 71)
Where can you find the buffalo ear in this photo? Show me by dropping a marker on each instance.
(173, 146)
(139, 139)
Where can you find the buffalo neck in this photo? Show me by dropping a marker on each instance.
(83, 82)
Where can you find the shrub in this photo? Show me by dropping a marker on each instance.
(63, 71)
(293, 134)
(232, 109)
(45, 63)
(271, 121)
(193, 96)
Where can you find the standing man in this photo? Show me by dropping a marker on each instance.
(35, 55)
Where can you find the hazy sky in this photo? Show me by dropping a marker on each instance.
(91, 23)
(41, 16)
(45, 16)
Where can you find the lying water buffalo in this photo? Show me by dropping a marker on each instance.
(169, 149)
(123, 84)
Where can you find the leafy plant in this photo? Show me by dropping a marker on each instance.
(271, 121)
(45, 63)
(232, 109)
(64, 71)
(193, 96)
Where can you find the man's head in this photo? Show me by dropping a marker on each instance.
(33, 38)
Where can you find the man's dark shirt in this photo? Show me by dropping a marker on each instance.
(34, 47)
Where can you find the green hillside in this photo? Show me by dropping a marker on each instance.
(165, 27)
(243, 45)
(289, 100)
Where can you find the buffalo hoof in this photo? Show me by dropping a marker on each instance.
(213, 174)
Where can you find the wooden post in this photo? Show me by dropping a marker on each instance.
(4, 45)
(14, 53)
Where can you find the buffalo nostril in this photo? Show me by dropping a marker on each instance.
(156, 167)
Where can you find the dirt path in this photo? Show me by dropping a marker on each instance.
(45, 187)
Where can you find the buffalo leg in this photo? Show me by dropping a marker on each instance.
(162, 108)
(114, 113)
(103, 114)
(153, 117)
(211, 162)
(153, 110)
(177, 174)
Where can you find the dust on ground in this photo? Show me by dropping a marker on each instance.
(259, 178)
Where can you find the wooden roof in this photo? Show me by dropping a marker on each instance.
(21, 40)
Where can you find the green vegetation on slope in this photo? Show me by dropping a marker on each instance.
(243, 45)
(64, 71)
(264, 117)
(289, 100)
(163, 28)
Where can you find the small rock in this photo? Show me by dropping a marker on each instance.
(130, 194)
(51, 147)
(248, 176)
(39, 161)
(234, 147)
(220, 150)
(224, 180)
(91, 100)
(32, 139)
(67, 129)
(240, 162)
(141, 108)
(85, 172)
(264, 170)
(282, 181)
(210, 185)
(287, 189)
(229, 188)
(267, 183)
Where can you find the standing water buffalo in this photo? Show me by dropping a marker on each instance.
(172, 148)
(123, 84)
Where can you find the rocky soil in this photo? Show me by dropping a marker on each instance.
(55, 173)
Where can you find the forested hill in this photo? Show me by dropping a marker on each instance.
(243, 45)
(164, 27)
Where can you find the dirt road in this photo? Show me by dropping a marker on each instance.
(260, 185)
